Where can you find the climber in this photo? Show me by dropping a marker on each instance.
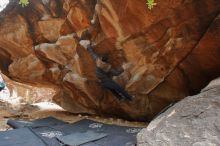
(104, 73)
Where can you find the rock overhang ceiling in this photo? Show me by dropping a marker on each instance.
(167, 53)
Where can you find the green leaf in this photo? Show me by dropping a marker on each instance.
(151, 4)
(23, 3)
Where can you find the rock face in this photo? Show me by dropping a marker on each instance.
(193, 121)
(16, 93)
(167, 53)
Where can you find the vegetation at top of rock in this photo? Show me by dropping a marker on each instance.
(24, 2)
(151, 4)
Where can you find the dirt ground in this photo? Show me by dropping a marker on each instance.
(45, 109)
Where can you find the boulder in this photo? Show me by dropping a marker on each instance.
(193, 121)
(15, 39)
(29, 68)
(16, 93)
(166, 53)
(51, 52)
(50, 29)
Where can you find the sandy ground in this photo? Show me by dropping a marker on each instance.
(45, 109)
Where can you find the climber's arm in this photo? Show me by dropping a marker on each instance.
(92, 52)
(87, 44)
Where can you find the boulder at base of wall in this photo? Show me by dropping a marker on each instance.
(194, 121)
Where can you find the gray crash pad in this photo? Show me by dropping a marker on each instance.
(49, 121)
(20, 137)
(43, 128)
(115, 135)
(76, 139)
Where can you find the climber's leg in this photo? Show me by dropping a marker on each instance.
(117, 90)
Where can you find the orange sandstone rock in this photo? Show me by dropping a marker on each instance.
(167, 53)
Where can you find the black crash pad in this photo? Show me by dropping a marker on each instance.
(49, 121)
(81, 138)
(43, 128)
(20, 137)
(116, 135)
(113, 135)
